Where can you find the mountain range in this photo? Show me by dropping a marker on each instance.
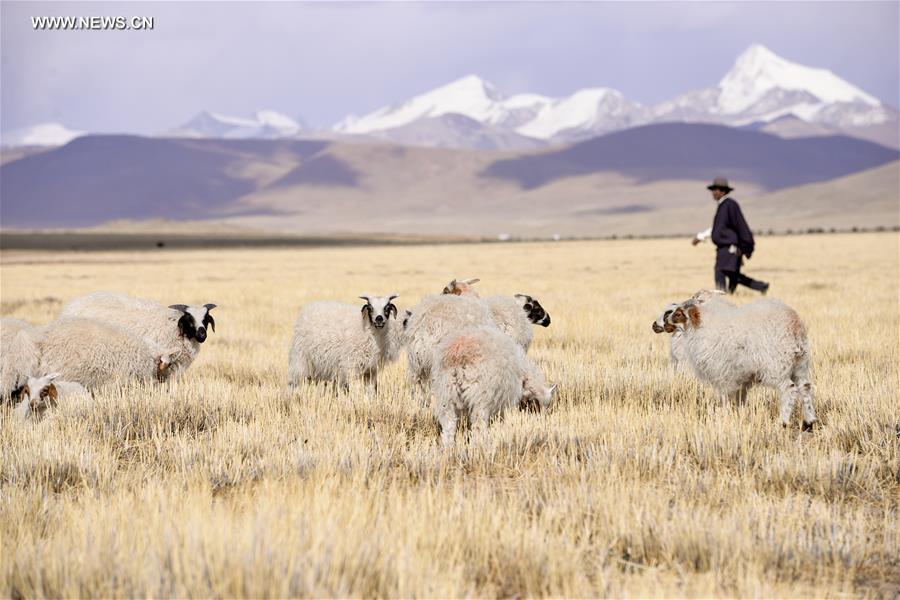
(647, 179)
(762, 91)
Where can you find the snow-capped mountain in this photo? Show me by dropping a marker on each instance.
(761, 87)
(44, 134)
(469, 96)
(267, 124)
(585, 113)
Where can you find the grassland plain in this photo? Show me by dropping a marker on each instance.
(635, 484)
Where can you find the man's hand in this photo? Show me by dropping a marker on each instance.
(695, 241)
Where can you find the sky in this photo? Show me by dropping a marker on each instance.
(321, 61)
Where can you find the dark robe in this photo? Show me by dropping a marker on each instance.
(731, 229)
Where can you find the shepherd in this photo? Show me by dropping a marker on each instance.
(733, 239)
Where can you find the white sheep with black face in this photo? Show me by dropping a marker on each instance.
(176, 326)
(338, 342)
(19, 356)
(513, 315)
(40, 394)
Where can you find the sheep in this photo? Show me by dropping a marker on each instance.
(337, 342)
(461, 287)
(39, 394)
(480, 373)
(731, 348)
(19, 356)
(94, 353)
(514, 316)
(433, 318)
(177, 325)
(677, 351)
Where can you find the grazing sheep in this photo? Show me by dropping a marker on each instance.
(19, 356)
(176, 326)
(480, 373)
(433, 318)
(732, 347)
(39, 394)
(337, 342)
(94, 353)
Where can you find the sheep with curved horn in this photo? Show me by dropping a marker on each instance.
(339, 342)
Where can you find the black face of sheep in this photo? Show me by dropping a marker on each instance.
(534, 310)
(195, 320)
(379, 309)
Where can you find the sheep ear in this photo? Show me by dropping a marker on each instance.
(694, 315)
(51, 376)
(181, 307)
(392, 296)
(553, 390)
(209, 306)
(366, 298)
(472, 281)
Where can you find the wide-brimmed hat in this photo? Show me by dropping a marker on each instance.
(720, 183)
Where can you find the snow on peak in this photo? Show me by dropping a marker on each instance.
(528, 114)
(585, 109)
(758, 71)
(43, 134)
(470, 96)
(277, 120)
(264, 124)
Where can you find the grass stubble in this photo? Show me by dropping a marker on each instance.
(636, 484)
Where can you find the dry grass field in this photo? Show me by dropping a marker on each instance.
(636, 484)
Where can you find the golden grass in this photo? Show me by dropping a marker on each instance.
(636, 484)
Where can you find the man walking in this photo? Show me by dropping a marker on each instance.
(733, 239)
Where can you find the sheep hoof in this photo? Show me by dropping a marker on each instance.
(808, 426)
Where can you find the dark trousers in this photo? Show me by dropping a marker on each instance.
(727, 281)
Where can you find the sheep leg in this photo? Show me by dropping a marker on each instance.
(479, 420)
(448, 419)
(421, 392)
(742, 394)
(788, 397)
(804, 390)
(370, 379)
